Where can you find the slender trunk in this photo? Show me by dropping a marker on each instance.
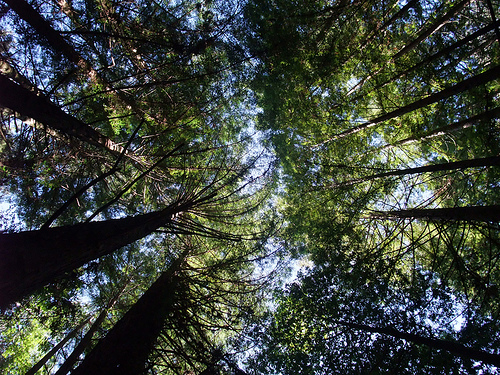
(472, 213)
(127, 345)
(459, 125)
(86, 340)
(398, 14)
(75, 196)
(440, 22)
(493, 161)
(96, 180)
(55, 349)
(494, 19)
(59, 44)
(34, 258)
(9, 71)
(444, 52)
(27, 103)
(450, 346)
(132, 183)
(467, 84)
(82, 345)
(43, 27)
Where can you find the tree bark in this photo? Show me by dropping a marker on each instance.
(55, 349)
(463, 124)
(127, 345)
(450, 346)
(467, 84)
(432, 29)
(493, 161)
(472, 213)
(39, 108)
(29, 260)
(444, 52)
(86, 340)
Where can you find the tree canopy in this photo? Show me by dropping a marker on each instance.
(249, 187)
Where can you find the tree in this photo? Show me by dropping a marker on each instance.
(32, 259)
(449, 346)
(167, 88)
(29, 104)
(126, 347)
(336, 319)
(481, 213)
(463, 164)
(482, 78)
(362, 137)
(57, 347)
(152, 142)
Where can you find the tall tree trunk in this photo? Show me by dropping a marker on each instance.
(58, 43)
(43, 27)
(492, 161)
(467, 84)
(440, 22)
(397, 15)
(361, 83)
(86, 340)
(450, 346)
(459, 125)
(473, 213)
(127, 345)
(428, 32)
(55, 349)
(32, 259)
(444, 52)
(27, 103)
(494, 19)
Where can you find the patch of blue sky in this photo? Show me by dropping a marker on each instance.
(9, 219)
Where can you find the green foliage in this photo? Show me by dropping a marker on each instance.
(348, 98)
(309, 332)
(25, 345)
